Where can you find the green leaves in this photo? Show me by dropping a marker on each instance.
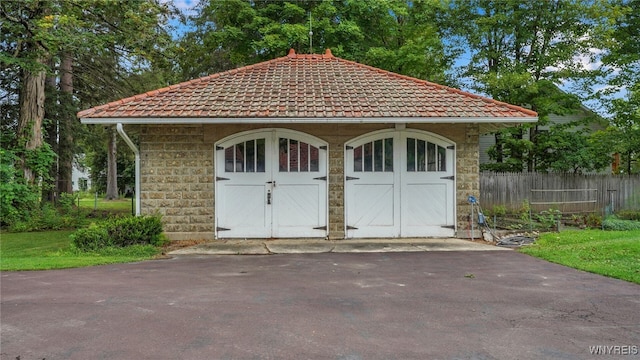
(394, 35)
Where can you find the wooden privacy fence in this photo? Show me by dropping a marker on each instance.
(568, 193)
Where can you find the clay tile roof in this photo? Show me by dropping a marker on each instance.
(307, 86)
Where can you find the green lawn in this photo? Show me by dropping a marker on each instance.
(116, 206)
(611, 253)
(52, 250)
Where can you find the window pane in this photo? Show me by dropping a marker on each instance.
(431, 157)
(357, 159)
(442, 159)
(240, 157)
(228, 159)
(251, 158)
(283, 155)
(293, 155)
(304, 156)
(260, 157)
(314, 162)
(377, 155)
(388, 154)
(411, 154)
(421, 155)
(367, 156)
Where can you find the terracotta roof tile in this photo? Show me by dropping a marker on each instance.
(306, 86)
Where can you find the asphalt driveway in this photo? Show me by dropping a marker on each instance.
(414, 305)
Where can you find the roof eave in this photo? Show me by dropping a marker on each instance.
(305, 120)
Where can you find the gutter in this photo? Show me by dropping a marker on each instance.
(304, 120)
(133, 147)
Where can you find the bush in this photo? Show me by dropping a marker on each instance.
(613, 223)
(629, 215)
(593, 221)
(120, 232)
(134, 230)
(67, 203)
(17, 199)
(45, 217)
(91, 239)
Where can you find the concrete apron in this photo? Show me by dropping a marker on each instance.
(307, 246)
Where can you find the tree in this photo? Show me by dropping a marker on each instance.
(395, 35)
(520, 53)
(85, 53)
(112, 167)
(28, 60)
(622, 96)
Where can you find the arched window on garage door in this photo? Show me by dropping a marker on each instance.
(400, 183)
(271, 183)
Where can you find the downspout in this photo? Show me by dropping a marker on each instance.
(137, 153)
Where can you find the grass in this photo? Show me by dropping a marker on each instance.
(52, 250)
(610, 253)
(115, 206)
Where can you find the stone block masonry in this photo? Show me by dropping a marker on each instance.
(177, 180)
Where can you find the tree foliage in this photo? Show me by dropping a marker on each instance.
(58, 56)
(622, 95)
(395, 35)
(520, 53)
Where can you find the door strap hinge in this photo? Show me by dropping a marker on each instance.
(323, 147)
(221, 229)
(218, 178)
(352, 178)
(349, 147)
(448, 177)
(218, 147)
(351, 227)
(452, 227)
(451, 147)
(321, 228)
(320, 178)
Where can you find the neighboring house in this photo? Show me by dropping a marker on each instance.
(307, 146)
(80, 177)
(487, 140)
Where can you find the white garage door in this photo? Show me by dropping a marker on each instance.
(400, 184)
(271, 183)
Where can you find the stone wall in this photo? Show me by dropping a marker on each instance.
(178, 171)
(468, 176)
(177, 180)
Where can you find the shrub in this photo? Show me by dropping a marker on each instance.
(17, 199)
(549, 218)
(135, 230)
(613, 223)
(67, 203)
(593, 221)
(91, 239)
(120, 232)
(629, 215)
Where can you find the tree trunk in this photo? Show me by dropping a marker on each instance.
(51, 130)
(31, 117)
(112, 167)
(67, 122)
